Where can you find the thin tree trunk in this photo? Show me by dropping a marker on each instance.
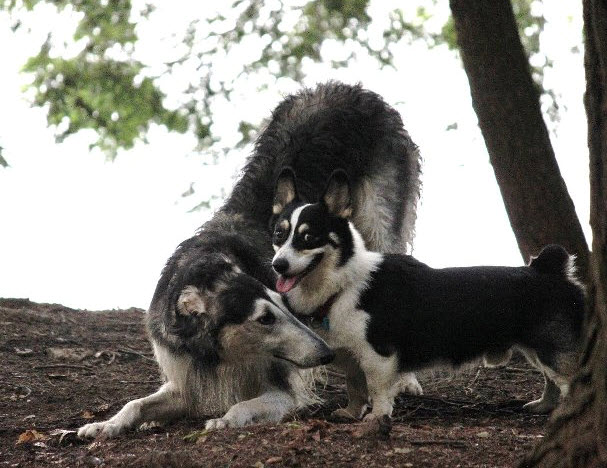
(577, 432)
(507, 105)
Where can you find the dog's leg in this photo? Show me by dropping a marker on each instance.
(555, 384)
(548, 401)
(163, 405)
(382, 382)
(271, 406)
(358, 397)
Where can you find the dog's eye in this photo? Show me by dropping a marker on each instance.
(279, 235)
(267, 319)
(308, 237)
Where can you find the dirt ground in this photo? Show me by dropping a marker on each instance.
(61, 368)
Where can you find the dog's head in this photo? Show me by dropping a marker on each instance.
(310, 239)
(225, 314)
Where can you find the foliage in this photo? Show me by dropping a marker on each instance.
(101, 87)
(104, 88)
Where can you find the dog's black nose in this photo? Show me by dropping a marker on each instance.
(281, 265)
(327, 358)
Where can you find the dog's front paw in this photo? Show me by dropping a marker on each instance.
(410, 385)
(219, 423)
(104, 429)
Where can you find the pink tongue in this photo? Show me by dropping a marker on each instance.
(284, 285)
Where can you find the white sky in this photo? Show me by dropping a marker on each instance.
(86, 233)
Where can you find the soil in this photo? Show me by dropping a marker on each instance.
(61, 368)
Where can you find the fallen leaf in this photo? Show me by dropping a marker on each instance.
(258, 465)
(86, 414)
(194, 436)
(483, 434)
(94, 445)
(23, 351)
(31, 435)
(373, 427)
(316, 436)
(272, 460)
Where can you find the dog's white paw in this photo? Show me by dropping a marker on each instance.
(410, 385)
(219, 423)
(149, 426)
(539, 406)
(104, 429)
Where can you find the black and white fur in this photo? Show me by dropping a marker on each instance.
(315, 131)
(391, 314)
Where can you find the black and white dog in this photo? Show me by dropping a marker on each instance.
(391, 314)
(208, 305)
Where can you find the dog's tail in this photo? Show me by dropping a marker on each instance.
(554, 260)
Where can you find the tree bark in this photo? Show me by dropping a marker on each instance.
(506, 102)
(577, 433)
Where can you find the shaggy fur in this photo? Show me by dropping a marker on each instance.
(315, 132)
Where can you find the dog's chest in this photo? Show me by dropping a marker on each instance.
(345, 326)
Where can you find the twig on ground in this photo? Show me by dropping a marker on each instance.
(470, 385)
(454, 442)
(156, 381)
(136, 353)
(68, 366)
(519, 370)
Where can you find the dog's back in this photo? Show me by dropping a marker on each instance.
(472, 310)
(338, 126)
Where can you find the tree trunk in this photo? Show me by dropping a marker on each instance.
(506, 102)
(577, 432)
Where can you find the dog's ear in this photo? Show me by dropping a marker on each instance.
(190, 302)
(338, 197)
(195, 309)
(193, 322)
(285, 191)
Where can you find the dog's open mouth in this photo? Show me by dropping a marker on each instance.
(285, 283)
